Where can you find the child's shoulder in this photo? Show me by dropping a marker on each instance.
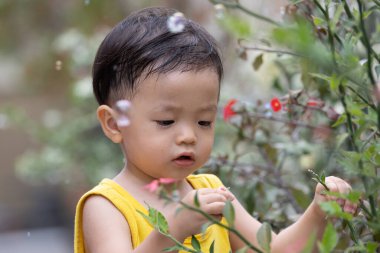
(204, 181)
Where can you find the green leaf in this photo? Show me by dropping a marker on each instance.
(354, 196)
(229, 213)
(335, 82)
(258, 62)
(310, 243)
(318, 21)
(341, 138)
(296, 1)
(162, 224)
(174, 248)
(372, 246)
(264, 236)
(196, 200)
(242, 250)
(205, 226)
(211, 249)
(338, 12)
(329, 239)
(156, 219)
(195, 243)
(146, 217)
(331, 208)
(323, 177)
(355, 109)
(321, 76)
(341, 120)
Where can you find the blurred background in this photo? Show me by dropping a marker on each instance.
(51, 148)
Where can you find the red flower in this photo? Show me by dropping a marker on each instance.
(228, 112)
(314, 103)
(275, 104)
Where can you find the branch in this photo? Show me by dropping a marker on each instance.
(238, 6)
(276, 51)
(367, 44)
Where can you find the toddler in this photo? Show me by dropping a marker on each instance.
(172, 80)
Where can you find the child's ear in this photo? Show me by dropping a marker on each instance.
(106, 117)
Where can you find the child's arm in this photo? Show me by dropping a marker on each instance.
(106, 230)
(294, 238)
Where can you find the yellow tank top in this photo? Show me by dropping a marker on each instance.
(139, 227)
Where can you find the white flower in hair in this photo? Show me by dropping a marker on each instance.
(122, 107)
(176, 23)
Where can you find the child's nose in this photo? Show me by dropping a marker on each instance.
(186, 135)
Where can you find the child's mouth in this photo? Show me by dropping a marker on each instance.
(184, 157)
(184, 160)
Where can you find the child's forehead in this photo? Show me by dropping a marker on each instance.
(168, 106)
(171, 81)
(208, 74)
(199, 86)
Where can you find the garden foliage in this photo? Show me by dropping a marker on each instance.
(324, 118)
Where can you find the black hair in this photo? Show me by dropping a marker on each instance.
(142, 45)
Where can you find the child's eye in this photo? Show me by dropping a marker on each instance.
(164, 122)
(205, 123)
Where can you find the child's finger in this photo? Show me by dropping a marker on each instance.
(223, 190)
(204, 191)
(215, 208)
(342, 188)
(350, 208)
(333, 187)
(348, 186)
(214, 197)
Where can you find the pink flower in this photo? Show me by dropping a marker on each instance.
(152, 186)
(228, 112)
(167, 180)
(275, 104)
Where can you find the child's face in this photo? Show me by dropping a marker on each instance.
(172, 124)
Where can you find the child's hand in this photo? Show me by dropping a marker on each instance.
(188, 222)
(334, 184)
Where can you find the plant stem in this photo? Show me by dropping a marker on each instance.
(278, 179)
(369, 50)
(275, 51)
(362, 98)
(367, 44)
(365, 209)
(213, 220)
(289, 122)
(179, 243)
(377, 2)
(356, 149)
(351, 17)
(237, 5)
(353, 233)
